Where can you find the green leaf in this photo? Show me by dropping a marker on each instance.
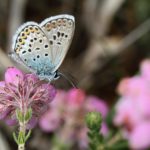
(15, 137)
(28, 135)
(21, 138)
(28, 115)
(19, 116)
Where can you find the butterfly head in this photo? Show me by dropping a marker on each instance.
(49, 77)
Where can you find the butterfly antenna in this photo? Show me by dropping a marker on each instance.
(68, 79)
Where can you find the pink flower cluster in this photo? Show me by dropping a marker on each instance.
(23, 91)
(67, 113)
(133, 108)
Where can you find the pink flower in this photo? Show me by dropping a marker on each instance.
(123, 86)
(139, 138)
(93, 103)
(145, 69)
(133, 87)
(67, 113)
(75, 98)
(23, 91)
(125, 114)
(51, 120)
(132, 109)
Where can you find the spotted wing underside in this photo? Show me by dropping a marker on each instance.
(59, 30)
(32, 47)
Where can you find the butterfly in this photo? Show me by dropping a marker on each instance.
(42, 47)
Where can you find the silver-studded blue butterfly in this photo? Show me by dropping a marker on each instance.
(42, 47)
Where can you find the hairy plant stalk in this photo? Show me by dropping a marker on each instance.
(21, 147)
(22, 129)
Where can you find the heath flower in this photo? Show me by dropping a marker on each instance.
(23, 91)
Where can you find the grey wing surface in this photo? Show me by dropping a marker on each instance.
(59, 31)
(31, 46)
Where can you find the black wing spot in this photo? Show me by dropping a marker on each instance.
(29, 50)
(46, 46)
(66, 36)
(25, 59)
(51, 42)
(36, 28)
(46, 54)
(23, 52)
(30, 45)
(31, 28)
(62, 34)
(35, 39)
(37, 48)
(40, 41)
(38, 56)
(34, 59)
(58, 34)
(54, 37)
(20, 40)
(31, 40)
(26, 30)
(58, 43)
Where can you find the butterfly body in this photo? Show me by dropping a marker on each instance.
(42, 47)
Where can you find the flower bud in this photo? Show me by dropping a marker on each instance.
(94, 120)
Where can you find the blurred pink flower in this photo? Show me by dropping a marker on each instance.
(125, 114)
(139, 138)
(75, 98)
(67, 112)
(23, 91)
(133, 87)
(145, 69)
(95, 104)
(132, 109)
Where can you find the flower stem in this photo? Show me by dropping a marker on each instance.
(21, 147)
(22, 137)
(22, 130)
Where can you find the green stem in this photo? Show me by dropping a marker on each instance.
(23, 119)
(21, 147)
(114, 139)
(22, 130)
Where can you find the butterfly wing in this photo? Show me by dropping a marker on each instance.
(32, 48)
(59, 30)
